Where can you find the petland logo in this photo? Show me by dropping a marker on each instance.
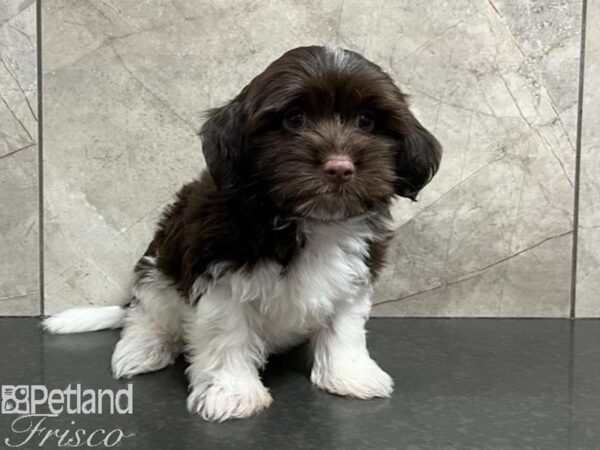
(36, 405)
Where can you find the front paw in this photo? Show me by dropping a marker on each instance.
(360, 379)
(222, 399)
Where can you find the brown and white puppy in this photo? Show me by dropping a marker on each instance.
(280, 240)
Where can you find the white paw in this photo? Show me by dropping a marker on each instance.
(141, 353)
(360, 379)
(229, 398)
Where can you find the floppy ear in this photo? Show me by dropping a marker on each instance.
(417, 160)
(222, 141)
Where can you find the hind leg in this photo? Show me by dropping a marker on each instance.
(152, 336)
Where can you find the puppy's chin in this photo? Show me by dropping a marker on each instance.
(329, 207)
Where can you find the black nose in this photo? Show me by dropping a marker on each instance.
(339, 169)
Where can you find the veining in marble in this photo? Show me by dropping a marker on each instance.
(19, 250)
(548, 33)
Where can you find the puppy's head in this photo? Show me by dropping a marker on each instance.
(321, 133)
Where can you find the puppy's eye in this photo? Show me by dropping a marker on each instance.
(365, 121)
(294, 118)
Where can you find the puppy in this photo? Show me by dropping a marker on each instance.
(280, 239)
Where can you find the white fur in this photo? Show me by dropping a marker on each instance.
(225, 353)
(324, 295)
(152, 336)
(79, 320)
(342, 364)
(339, 55)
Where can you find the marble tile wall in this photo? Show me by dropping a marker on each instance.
(125, 84)
(588, 264)
(19, 250)
(492, 234)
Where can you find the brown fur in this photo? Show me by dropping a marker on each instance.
(265, 176)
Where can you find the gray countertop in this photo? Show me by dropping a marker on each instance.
(460, 384)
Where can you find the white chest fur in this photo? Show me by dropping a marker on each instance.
(328, 271)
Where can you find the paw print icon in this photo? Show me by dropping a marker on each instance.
(9, 406)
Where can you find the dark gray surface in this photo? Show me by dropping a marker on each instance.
(460, 384)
